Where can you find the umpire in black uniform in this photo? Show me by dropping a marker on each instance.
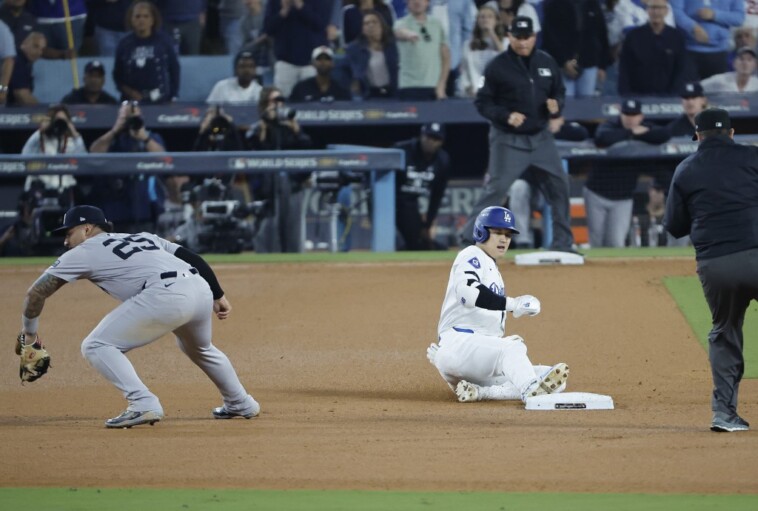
(522, 91)
(714, 198)
(427, 170)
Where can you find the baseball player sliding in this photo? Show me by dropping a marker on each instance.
(472, 356)
(163, 288)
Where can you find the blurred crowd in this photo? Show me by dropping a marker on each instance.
(291, 51)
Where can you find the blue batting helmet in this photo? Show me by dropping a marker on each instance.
(494, 216)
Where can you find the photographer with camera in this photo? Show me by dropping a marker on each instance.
(277, 130)
(56, 135)
(131, 202)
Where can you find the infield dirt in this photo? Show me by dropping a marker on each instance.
(336, 355)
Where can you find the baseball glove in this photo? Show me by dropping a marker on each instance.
(35, 360)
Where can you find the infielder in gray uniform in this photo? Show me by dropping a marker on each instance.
(163, 288)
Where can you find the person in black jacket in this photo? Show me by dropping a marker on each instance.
(427, 170)
(278, 130)
(92, 92)
(575, 34)
(609, 189)
(522, 91)
(713, 199)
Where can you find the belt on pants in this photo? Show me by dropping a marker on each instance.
(174, 274)
(169, 275)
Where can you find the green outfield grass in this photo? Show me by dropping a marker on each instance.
(689, 297)
(89, 499)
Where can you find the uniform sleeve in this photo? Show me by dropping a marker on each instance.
(609, 133)
(485, 96)
(70, 266)
(469, 289)
(163, 243)
(677, 218)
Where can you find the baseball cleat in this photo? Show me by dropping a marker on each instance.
(222, 412)
(726, 424)
(555, 379)
(131, 418)
(467, 392)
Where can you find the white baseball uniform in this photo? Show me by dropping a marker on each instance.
(160, 293)
(471, 342)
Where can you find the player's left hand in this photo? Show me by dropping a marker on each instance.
(526, 305)
(35, 360)
(222, 308)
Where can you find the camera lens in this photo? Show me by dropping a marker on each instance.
(135, 123)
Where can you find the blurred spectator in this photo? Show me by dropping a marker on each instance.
(109, 18)
(146, 67)
(370, 66)
(183, 20)
(255, 40)
(424, 62)
(743, 37)
(17, 240)
(353, 12)
(427, 170)
(281, 226)
(51, 21)
(488, 40)
(509, 9)
(706, 25)
(21, 85)
(91, 92)
(131, 202)
(457, 18)
(653, 56)
(56, 135)
(741, 80)
(230, 14)
(7, 59)
(693, 102)
(321, 87)
(609, 191)
(575, 34)
(242, 87)
(218, 132)
(524, 195)
(648, 220)
(19, 20)
(297, 27)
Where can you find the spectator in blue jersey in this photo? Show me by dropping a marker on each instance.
(707, 26)
(51, 21)
(297, 27)
(370, 65)
(183, 20)
(108, 18)
(146, 68)
(132, 202)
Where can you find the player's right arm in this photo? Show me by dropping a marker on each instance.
(34, 301)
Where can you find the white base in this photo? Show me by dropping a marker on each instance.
(550, 257)
(570, 401)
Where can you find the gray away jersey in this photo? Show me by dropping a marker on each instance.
(472, 263)
(119, 263)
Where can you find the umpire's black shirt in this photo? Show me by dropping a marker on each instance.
(520, 84)
(714, 198)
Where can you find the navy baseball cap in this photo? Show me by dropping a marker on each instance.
(522, 26)
(712, 119)
(94, 66)
(692, 90)
(79, 215)
(631, 107)
(433, 129)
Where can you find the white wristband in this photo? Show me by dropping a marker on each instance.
(29, 325)
(510, 304)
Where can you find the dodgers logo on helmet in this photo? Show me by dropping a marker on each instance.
(493, 217)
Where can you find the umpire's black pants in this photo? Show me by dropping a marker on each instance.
(729, 282)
